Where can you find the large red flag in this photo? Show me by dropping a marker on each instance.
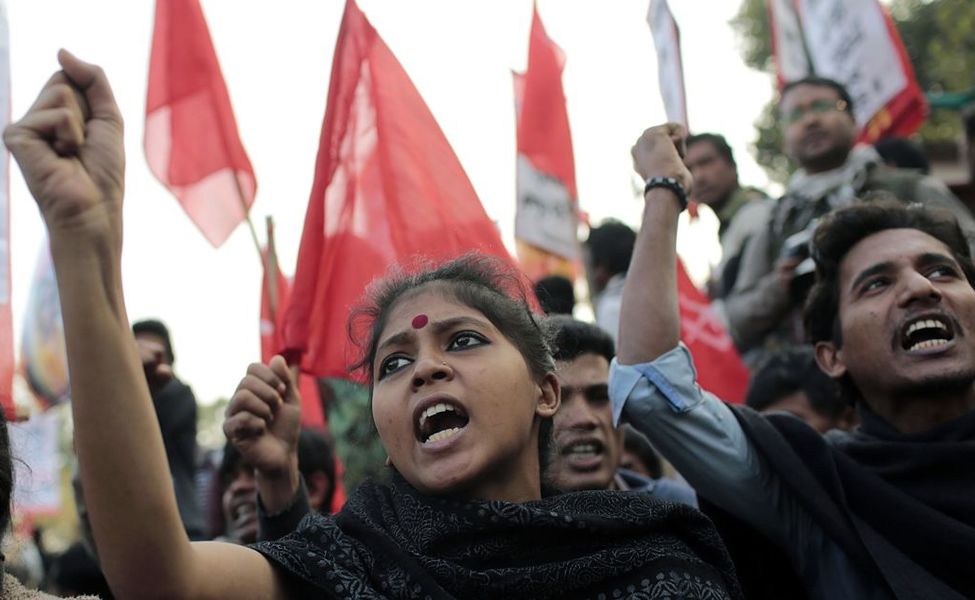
(191, 138)
(719, 368)
(546, 218)
(388, 188)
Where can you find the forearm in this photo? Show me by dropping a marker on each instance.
(122, 461)
(649, 319)
(699, 435)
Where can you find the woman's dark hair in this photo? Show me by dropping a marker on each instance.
(484, 283)
(839, 231)
(6, 474)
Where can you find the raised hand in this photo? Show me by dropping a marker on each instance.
(659, 152)
(263, 421)
(69, 148)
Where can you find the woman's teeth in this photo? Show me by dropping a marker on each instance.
(442, 435)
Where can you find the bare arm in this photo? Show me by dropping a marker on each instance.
(650, 311)
(69, 147)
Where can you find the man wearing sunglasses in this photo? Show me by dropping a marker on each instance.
(819, 134)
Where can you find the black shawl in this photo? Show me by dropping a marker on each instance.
(901, 506)
(390, 542)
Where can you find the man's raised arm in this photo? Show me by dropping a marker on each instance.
(649, 319)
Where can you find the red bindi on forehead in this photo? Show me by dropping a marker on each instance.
(420, 321)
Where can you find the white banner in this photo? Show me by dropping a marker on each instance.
(545, 215)
(849, 42)
(670, 71)
(792, 61)
(846, 40)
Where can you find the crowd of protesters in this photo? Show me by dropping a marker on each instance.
(540, 456)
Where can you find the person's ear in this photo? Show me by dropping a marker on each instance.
(830, 359)
(549, 396)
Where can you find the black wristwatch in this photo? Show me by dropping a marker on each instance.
(671, 184)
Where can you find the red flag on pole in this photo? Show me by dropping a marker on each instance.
(546, 216)
(191, 138)
(275, 291)
(6, 316)
(719, 368)
(856, 43)
(388, 188)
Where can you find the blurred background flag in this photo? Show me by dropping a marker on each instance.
(191, 139)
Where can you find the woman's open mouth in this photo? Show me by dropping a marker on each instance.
(439, 421)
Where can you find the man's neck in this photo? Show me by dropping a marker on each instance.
(917, 415)
(829, 162)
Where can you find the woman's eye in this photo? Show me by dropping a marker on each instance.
(392, 364)
(465, 340)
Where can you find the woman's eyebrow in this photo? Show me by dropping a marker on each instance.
(447, 324)
(407, 335)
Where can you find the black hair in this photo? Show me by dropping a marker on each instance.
(838, 232)
(611, 246)
(157, 328)
(485, 283)
(556, 295)
(716, 140)
(572, 338)
(826, 82)
(903, 154)
(790, 371)
(638, 444)
(315, 455)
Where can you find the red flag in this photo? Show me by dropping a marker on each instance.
(388, 188)
(274, 301)
(274, 304)
(191, 138)
(719, 368)
(546, 218)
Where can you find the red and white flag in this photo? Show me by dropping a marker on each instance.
(546, 215)
(275, 292)
(856, 43)
(6, 318)
(191, 139)
(670, 67)
(720, 369)
(388, 189)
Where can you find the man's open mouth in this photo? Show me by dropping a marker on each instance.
(927, 333)
(439, 421)
(585, 454)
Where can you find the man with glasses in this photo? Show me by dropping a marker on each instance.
(819, 134)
